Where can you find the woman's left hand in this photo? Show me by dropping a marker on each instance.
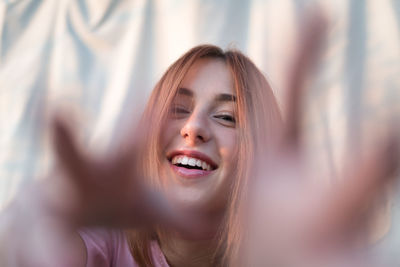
(296, 220)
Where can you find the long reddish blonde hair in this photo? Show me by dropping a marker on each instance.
(257, 117)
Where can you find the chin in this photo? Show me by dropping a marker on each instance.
(204, 194)
(198, 198)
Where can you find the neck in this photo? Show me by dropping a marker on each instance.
(181, 252)
(186, 252)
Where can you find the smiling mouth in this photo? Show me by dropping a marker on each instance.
(191, 163)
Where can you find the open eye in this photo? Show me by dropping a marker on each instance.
(226, 119)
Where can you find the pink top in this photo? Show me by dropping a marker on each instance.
(109, 248)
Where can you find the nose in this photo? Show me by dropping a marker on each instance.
(195, 130)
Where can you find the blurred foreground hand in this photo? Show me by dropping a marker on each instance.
(39, 229)
(293, 220)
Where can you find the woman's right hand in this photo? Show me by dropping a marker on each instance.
(40, 227)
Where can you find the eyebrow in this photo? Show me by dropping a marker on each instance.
(226, 98)
(219, 98)
(184, 91)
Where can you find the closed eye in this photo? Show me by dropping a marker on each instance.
(180, 110)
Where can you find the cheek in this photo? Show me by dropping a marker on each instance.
(228, 146)
(169, 132)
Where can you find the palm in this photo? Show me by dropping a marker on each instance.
(110, 190)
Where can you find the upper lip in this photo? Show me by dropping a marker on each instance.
(193, 154)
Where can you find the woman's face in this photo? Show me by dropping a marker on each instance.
(199, 139)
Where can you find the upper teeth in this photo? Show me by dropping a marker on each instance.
(185, 160)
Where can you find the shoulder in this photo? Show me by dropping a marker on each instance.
(158, 257)
(106, 247)
(110, 248)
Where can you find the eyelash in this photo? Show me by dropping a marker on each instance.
(180, 110)
(226, 117)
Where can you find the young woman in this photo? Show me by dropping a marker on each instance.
(197, 141)
(205, 113)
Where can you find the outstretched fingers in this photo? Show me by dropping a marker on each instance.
(69, 154)
(304, 62)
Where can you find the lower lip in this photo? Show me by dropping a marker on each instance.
(190, 173)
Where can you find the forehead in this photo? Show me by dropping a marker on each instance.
(209, 76)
